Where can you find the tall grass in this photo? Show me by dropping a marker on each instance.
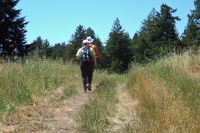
(169, 94)
(93, 116)
(20, 82)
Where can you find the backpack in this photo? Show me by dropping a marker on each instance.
(95, 48)
(85, 54)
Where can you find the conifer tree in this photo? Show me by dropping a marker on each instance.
(12, 28)
(76, 42)
(191, 35)
(145, 46)
(41, 47)
(157, 35)
(135, 39)
(166, 24)
(59, 51)
(117, 49)
(149, 27)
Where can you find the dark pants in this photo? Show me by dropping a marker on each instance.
(86, 72)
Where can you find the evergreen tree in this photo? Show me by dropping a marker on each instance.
(12, 28)
(76, 42)
(135, 39)
(90, 32)
(149, 27)
(41, 46)
(117, 49)
(191, 34)
(157, 35)
(145, 46)
(166, 25)
(58, 51)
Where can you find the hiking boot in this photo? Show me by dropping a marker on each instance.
(88, 87)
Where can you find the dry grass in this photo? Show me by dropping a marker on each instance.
(124, 113)
(168, 93)
(30, 88)
(93, 118)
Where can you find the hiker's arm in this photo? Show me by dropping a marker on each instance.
(95, 62)
(97, 52)
(78, 55)
(78, 58)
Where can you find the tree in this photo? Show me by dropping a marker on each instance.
(117, 49)
(157, 35)
(90, 32)
(144, 43)
(166, 23)
(191, 34)
(135, 39)
(76, 42)
(149, 27)
(41, 46)
(12, 29)
(58, 51)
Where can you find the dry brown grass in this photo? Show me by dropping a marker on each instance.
(124, 112)
(163, 92)
(33, 116)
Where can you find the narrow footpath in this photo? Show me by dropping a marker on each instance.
(47, 115)
(54, 116)
(63, 116)
(125, 112)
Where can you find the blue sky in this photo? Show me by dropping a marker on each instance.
(57, 20)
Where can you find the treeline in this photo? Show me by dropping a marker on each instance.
(156, 37)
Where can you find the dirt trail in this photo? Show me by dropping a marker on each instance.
(58, 117)
(125, 111)
(47, 116)
(63, 120)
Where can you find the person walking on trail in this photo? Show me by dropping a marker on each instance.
(87, 58)
(94, 47)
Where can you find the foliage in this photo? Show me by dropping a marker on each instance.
(42, 47)
(75, 42)
(191, 35)
(59, 51)
(117, 49)
(12, 29)
(168, 94)
(93, 116)
(34, 77)
(156, 38)
(157, 35)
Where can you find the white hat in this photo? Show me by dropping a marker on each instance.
(85, 41)
(90, 40)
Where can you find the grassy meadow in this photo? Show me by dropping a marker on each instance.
(93, 117)
(167, 91)
(169, 94)
(21, 82)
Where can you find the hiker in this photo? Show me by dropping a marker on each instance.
(87, 58)
(94, 47)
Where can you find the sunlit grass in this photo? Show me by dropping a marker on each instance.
(93, 116)
(169, 94)
(20, 82)
(167, 91)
